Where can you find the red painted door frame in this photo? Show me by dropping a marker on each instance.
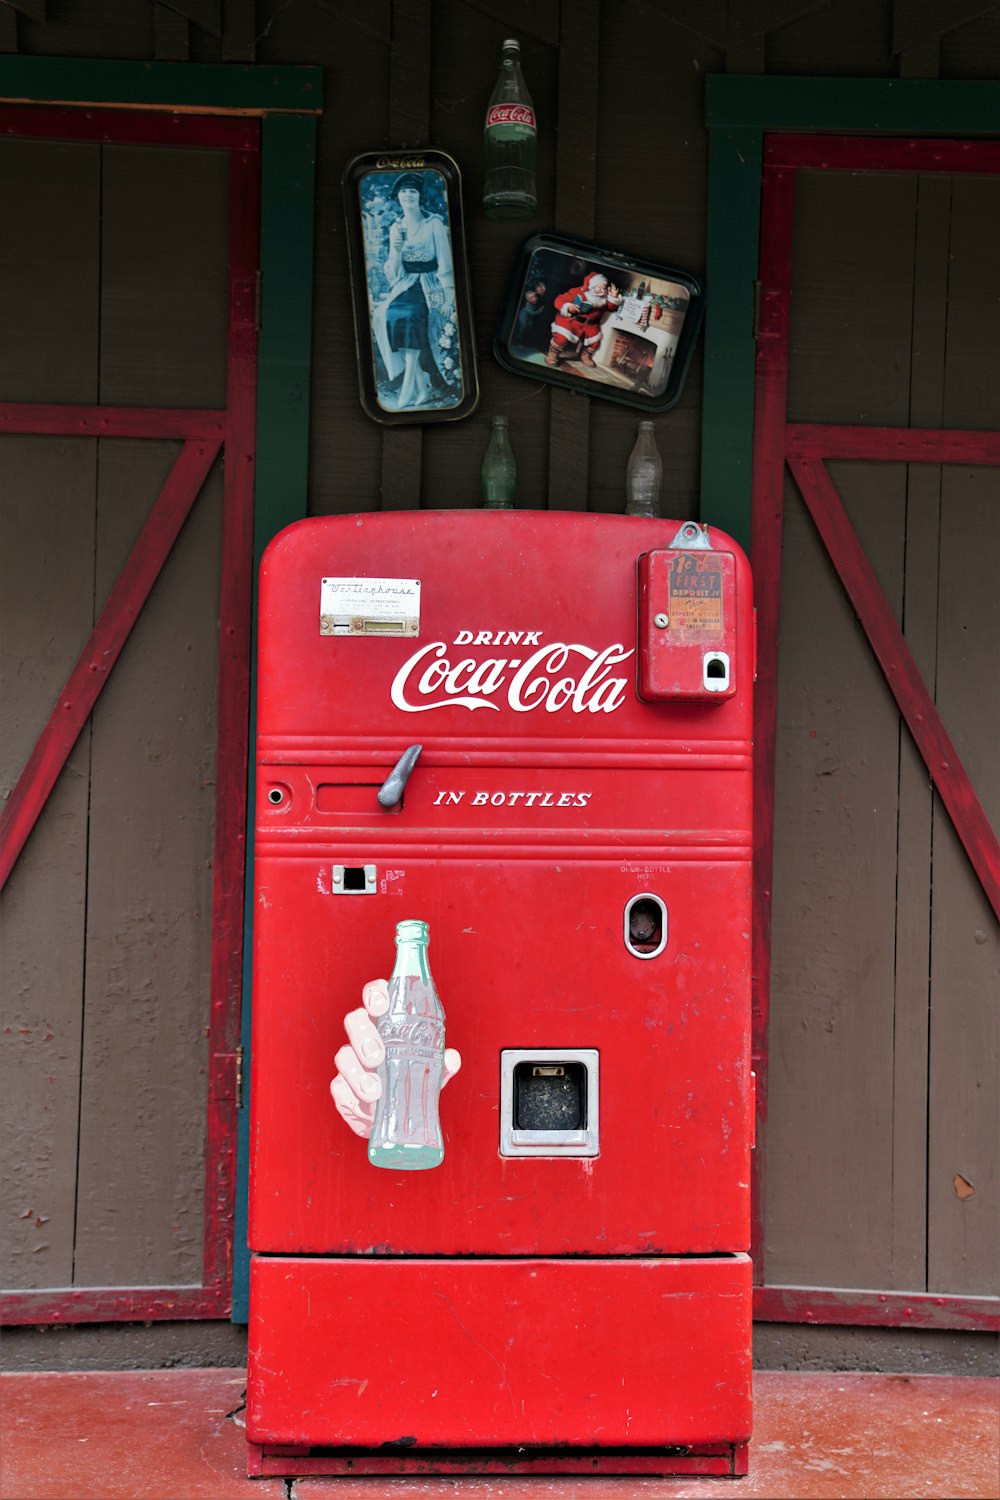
(205, 433)
(805, 449)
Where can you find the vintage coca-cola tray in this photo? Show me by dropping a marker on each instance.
(410, 287)
(600, 323)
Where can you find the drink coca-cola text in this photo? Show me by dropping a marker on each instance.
(556, 675)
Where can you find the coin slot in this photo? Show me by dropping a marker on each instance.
(715, 671)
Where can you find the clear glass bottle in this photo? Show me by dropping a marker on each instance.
(499, 469)
(406, 1134)
(643, 475)
(509, 138)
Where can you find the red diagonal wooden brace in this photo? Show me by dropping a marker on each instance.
(908, 445)
(901, 672)
(23, 417)
(121, 610)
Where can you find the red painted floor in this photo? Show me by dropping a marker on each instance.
(176, 1435)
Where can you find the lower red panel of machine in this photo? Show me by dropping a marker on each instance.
(403, 1356)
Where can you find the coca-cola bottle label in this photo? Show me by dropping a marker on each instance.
(405, 1037)
(510, 114)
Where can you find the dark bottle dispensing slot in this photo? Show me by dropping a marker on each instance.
(550, 1096)
(549, 1102)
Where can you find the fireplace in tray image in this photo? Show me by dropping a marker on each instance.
(638, 344)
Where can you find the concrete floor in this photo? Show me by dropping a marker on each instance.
(177, 1435)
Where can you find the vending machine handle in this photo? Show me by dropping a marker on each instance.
(391, 791)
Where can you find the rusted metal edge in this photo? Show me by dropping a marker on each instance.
(871, 1309)
(112, 1304)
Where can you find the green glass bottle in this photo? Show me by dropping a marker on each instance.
(510, 136)
(406, 1134)
(499, 469)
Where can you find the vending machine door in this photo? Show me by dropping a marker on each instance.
(478, 720)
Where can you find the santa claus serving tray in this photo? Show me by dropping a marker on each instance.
(600, 323)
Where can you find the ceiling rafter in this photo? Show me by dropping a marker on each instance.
(538, 19)
(727, 24)
(916, 21)
(33, 9)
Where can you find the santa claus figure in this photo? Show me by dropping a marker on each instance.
(576, 331)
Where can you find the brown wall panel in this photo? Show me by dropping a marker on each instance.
(972, 390)
(591, 149)
(857, 826)
(49, 270)
(90, 28)
(829, 1193)
(835, 1160)
(919, 622)
(466, 61)
(108, 912)
(842, 39)
(46, 611)
(164, 277)
(651, 183)
(912, 932)
(964, 1229)
(852, 298)
(973, 50)
(908, 1092)
(143, 1109)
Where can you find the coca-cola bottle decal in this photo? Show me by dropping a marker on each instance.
(406, 1133)
(510, 133)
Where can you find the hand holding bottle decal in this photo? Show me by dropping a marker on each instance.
(391, 1071)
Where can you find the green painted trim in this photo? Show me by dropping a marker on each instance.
(288, 170)
(734, 169)
(911, 106)
(740, 109)
(210, 87)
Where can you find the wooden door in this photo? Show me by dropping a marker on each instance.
(875, 545)
(126, 438)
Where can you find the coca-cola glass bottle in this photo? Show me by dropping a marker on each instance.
(406, 1134)
(509, 190)
(499, 469)
(643, 475)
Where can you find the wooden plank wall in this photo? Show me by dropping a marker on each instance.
(884, 1040)
(114, 265)
(603, 174)
(869, 1123)
(46, 610)
(963, 1231)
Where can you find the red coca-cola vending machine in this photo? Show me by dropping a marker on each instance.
(570, 1289)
